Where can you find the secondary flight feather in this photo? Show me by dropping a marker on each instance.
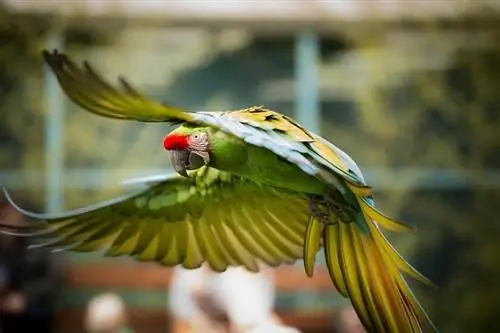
(251, 185)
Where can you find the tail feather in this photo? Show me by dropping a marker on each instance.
(393, 255)
(366, 268)
(332, 255)
(381, 219)
(364, 273)
(311, 244)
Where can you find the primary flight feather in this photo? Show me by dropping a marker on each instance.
(251, 185)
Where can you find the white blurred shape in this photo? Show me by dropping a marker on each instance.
(105, 314)
(246, 297)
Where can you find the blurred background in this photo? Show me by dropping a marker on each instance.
(410, 89)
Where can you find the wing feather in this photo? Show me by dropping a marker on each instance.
(177, 222)
(194, 257)
(85, 87)
(332, 246)
(165, 243)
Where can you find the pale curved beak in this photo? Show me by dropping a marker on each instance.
(180, 160)
(184, 160)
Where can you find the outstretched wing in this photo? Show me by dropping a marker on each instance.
(85, 87)
(213, 217)
(256, 125)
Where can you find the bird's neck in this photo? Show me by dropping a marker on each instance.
(227, 153)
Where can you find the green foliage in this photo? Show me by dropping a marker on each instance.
(20, 66)
(469, 109)
(22, 111)
(444, 117)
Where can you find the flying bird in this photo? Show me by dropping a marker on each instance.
(250, 186)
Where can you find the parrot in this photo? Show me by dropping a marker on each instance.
(250, 186)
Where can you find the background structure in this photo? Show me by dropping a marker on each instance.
(408, 88)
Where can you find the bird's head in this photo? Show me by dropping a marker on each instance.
(189, 148)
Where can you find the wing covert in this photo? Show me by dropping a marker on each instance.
(281, 135)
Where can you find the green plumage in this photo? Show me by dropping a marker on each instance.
(263, 189)
(233, 155)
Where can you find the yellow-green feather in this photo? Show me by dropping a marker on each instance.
(366, 268)
(213, 217)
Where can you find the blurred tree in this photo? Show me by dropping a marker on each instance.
(239, 73)
(20, 65)
(464, 123)
(22, 112)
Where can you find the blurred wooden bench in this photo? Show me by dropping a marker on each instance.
(131, 276)
(157, 321)
(151, 276)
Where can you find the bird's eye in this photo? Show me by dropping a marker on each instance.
(196, 136)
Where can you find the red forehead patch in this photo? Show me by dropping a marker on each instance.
(175, 142)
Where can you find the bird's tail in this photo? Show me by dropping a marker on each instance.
(365, 267)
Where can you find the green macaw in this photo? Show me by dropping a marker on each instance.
(251, 185)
